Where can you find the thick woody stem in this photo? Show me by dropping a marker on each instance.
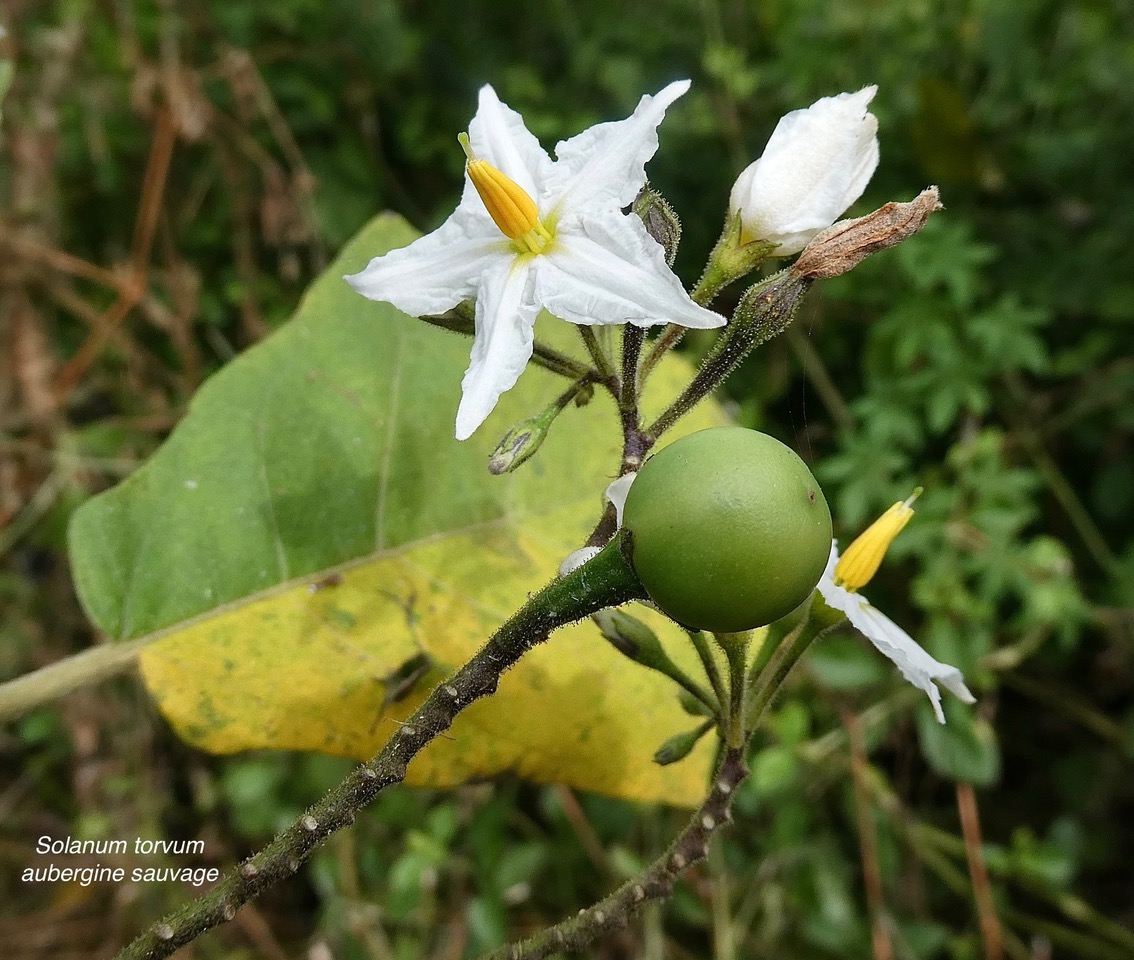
(655, 883)
(604, 581)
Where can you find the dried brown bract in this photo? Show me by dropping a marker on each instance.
(847, 243)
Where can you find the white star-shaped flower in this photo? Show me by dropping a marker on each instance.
(839, 588)
(531, 232)
(816, 164)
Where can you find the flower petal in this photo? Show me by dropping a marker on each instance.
(576, 558)
(505, 321)
(439, 270)
(499, 135)
(607, 269)
(616, 493)
(605, 164)
(816, 164)
(917, 666)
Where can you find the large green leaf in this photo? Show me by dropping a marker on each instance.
(312, 526)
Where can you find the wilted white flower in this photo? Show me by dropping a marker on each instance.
(816, 164)
(839, 587)
(530, 232)
(615, 494)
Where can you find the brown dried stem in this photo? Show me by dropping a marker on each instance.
(978, 872)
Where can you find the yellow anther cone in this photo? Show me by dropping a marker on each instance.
(862, 558)
(509, 205)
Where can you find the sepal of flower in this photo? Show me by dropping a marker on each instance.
(733, 256)
(839, 588)
(533, 233)
(660, 219)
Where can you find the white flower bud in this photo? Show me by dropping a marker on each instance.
(816, 164)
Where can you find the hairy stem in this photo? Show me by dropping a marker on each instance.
(709, 664)
(460, 320)
(599, 357)
(707, 288)
(606, 580)
(735, 646)
(666, 341)
(772, 307)
(635, 444)
(790, 649)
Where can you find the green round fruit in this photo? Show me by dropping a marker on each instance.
(729, 530)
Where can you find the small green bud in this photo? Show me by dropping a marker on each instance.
(631, 637)
(661, 221)
(526, 437)
(691, 704)
(520, 443)
(636, 641)
(680, 745)
(767, 308)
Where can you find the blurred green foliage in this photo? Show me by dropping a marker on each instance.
(988, 359)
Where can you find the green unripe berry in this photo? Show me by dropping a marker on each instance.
(729, 530)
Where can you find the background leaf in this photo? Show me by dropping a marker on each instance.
(315, 518)
(964, 749)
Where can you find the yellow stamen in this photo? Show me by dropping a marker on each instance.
(861, 560)
(509, 205)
